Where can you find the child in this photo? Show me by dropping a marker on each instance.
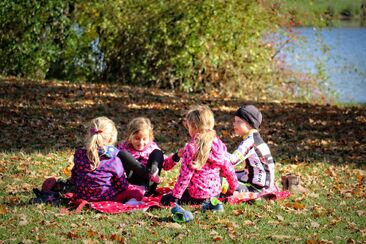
(141, 156)
(204, 161)
(99, 176)
(259, 169)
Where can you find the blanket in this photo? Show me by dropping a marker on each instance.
(52, 190)
(111, 207)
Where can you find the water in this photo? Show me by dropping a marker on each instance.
(344, 62)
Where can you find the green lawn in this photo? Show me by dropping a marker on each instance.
(42, 124)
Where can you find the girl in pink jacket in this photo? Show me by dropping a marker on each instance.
(204, 162)
(141, 157)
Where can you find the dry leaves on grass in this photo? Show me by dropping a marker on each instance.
(58, 110)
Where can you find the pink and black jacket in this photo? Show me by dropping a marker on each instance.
(143, 156)
(206, 182)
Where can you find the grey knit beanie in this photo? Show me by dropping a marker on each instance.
(250, 114)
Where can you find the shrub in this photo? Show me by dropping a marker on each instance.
(191, 45)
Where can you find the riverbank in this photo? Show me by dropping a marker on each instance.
(325, 13)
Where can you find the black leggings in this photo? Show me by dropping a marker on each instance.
(187, 199)
(137, 173)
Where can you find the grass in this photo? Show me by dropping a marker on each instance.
(42, 124)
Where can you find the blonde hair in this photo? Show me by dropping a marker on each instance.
(101, 132)
(202, 119)
(139, 124)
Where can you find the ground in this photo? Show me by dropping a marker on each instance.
(42, 122)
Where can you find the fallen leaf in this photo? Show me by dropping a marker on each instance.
(118, 238)
(3, 209)
(173, 225)
(280, 218)
(217, 238)
(238, 212)
(314, 224)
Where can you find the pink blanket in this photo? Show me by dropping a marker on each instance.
(145, 203)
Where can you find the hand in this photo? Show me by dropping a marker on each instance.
(180, 152)
(229, 192)
(167, 199)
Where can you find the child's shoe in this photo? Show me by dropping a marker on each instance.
(177, 208)
(213, 204)
(180, 215)
(46, 197)
(154, 176)
(48, 184)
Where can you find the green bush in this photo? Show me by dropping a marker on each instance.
(32, 36)
(191, 45)
(188, 45)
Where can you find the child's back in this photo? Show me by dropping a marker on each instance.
(97, 173)
(204, 161)
(103, 183)
(205, 182)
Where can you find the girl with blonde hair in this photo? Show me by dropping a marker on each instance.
(142, 158)
(98, 174)
(204, 161)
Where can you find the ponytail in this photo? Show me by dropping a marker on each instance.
(101, 132)
(202, 118)
(204, 141)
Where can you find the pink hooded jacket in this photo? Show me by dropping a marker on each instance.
(206, 182)
(143, 156)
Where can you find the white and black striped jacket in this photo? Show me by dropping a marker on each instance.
(257, 156)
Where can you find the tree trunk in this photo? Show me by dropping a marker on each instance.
(363, 13)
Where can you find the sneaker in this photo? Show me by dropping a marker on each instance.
(213, 204)
(177, 208)
(46, 197)
(180, 215)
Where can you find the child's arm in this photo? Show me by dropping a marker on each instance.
(228, 172)
(171, 161)
(186, 172)
(120, 180)
(180, 186)
(241, 153)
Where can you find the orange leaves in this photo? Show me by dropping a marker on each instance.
(295, 205)
(239, 212)
(3, 209)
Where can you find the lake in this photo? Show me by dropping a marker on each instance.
(344, 62)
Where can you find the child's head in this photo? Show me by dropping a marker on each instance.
(101, 132)
(140, 133)
(247, 117)
(200, 123)
(200, 119)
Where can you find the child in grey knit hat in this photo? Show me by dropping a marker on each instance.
(253, 152)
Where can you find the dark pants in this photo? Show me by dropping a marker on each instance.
(137, 173)
(246, 186)
(187, 199)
